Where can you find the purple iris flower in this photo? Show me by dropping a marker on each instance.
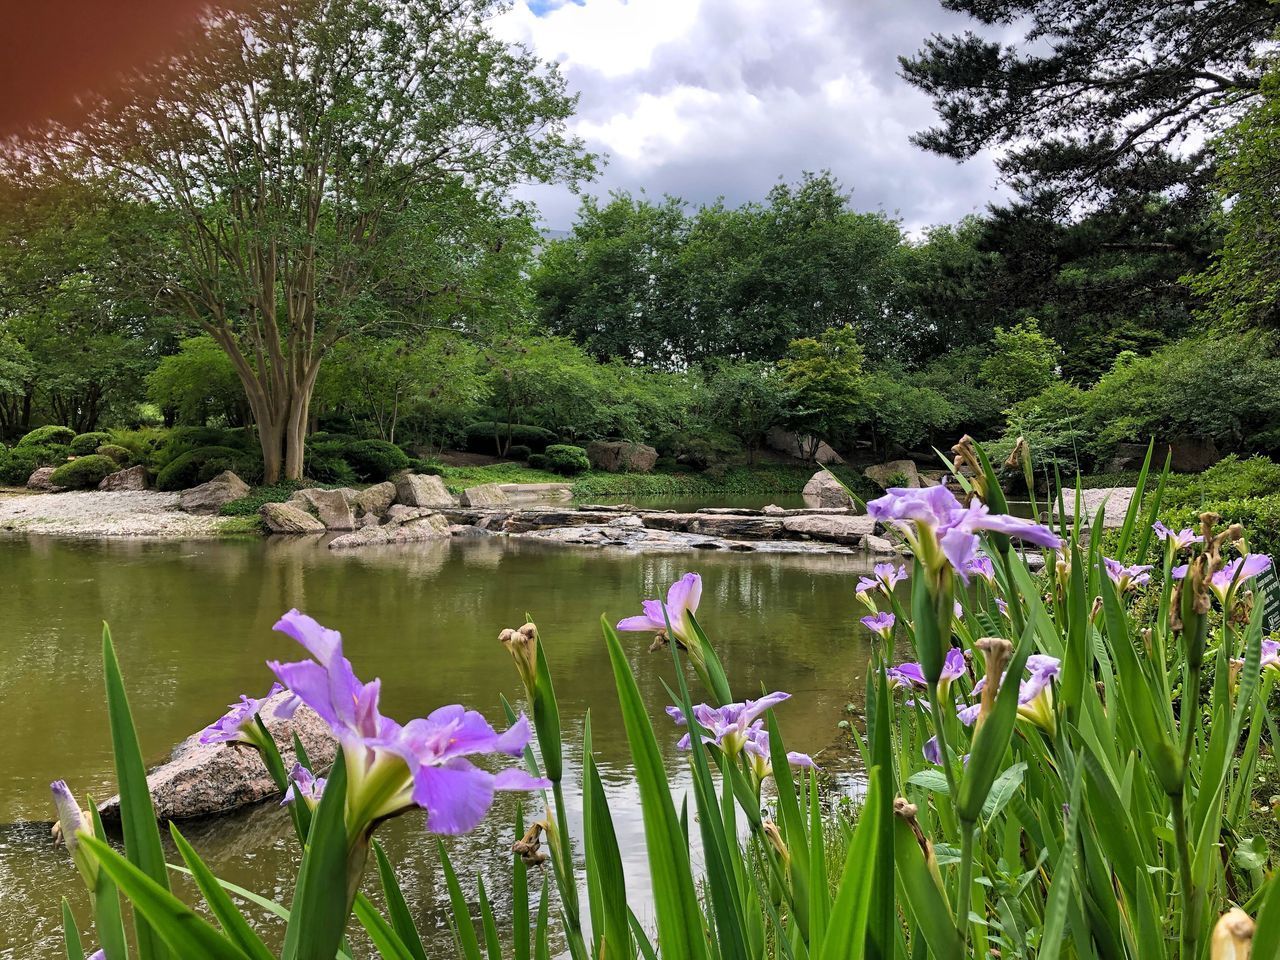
(759, 760)
(682, 601)
(98, 955)
(455, 792)
(911, 674)
(1002, 606)
(881, 624)
(1180, 540)
(983, 567)
(727, 727)
(1238, 570)
(1035, 693)
(1270, 656)
(304, 786)
(237, 724)
(1127, 578)
(942, 531)
(889, 576)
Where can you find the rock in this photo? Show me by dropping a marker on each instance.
(538, 492)
(431, 527)
(773, 510)
(1117, 501)
(731, 511)
(332, 507)
(289, 518)
(468, 531)
(797, 446)
(200, 780)
(1127, 456)
(375, 500)
(367, 520)
(627, 520)
(133, 478)
(873, 544)
(619, 456)
(485, 495)
(212, 496)
(399, 513)
(831, 529)
(1190, 455)
(736, 526)
(824, 490)
(421, 490)
(895, 473)
(42, 479)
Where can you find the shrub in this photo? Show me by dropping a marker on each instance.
(198, 466)
(566, 459)
(17, 465)
(142, 443)
(519, 451)
(184, 440)
(480, 436)
(117, 453)
(1260, 517)
(374, 460)
(83, 473)
(48, 436)
(426, 467)
(538, 461)
(1229, 479)
(87, 443)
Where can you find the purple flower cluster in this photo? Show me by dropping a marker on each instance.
(1127, 578)
(1035, 693)
(881, 624)
(943, 531)
(1237, 571)
(237, 724)
(391, 768)
(908, 675)
(682, 603)
(736, 728)
(1178, 541)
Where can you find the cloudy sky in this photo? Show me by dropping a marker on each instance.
(708, 98)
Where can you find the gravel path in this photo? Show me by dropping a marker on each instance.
(1117, 500)
(104, 514)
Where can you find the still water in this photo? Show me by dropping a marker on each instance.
(192, 625)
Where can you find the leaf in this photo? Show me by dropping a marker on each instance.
(1251, 854)
(107, 917)
(142, 844)
(170, 920)
(846, 933)
(1002, 791)
(923, 897)
(605, 875)
(71, 933)
(220, 904)
(463, 929)
(401, 918)
(385, 939)
(318, 914)
(1266, 935)
(1055, 913)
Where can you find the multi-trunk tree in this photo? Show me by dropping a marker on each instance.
(324, 167)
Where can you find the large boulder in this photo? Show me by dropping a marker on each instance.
(824, 490)
(831, 528)
(42, 479)
(794, 445)
(538, 492)
(331, 507)
(485, 495)
(375, 500)
(132, 478)
(421, 490)
(200, 779)
(289, 518)
(213, 496)
(1191, 455)
(619, 456)
(894, 473)
(430, 527)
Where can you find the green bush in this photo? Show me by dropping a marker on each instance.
(48, 436)
(480, 436)
(426, 467)
(325, 462)
(1260, 517)
(17, 465)
(183, 440)
(566, 459)
(198, 466)
(538, 461)
(142, 443)
(518, 451)
(374, 460)
(87, 443)
(83, 473)
(117, 453)
(1229, 479)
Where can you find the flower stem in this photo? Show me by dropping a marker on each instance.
(1190, 899)
(968, 832)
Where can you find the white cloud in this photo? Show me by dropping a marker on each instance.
(703, 98)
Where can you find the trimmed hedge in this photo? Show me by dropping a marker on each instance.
(117, 453)
(83, 473)
(565, 459)
(87, 443)
(374, 460)
(48, 436)
(17, 465)
(480, 436)
(183, 440)
(201, 465)
(1260, 517)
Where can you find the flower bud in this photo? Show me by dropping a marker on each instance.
(997, 651)
(1232, 936)
(522, 644)
(71, 823)
(774, 836)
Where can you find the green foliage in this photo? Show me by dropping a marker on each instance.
(118, 454)
(565, 459)
(83, 473)
(249, 506)
(519, 451)
(489, 437)
(168, 446)
(1229, 479)
(202, 464)
(373, 461)
(747, 399)
(87, 443)
(1023, 362)
(197, 384)
(823, 378)
(18, 463)
(48, 436)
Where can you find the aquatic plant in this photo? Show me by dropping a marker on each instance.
(1069, 772)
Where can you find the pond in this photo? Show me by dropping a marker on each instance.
(192, 624)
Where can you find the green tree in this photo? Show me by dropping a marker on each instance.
(324, 165)
(1023, 361)
(1243, 284)
(544, 381)
(746, 398)
(197, 383)
(823, 378)
(1099, 94)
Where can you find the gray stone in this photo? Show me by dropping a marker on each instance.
(619, 456)
(212, 496)
(1191, 455)
(132, 478)
(421, 490)
(431, 527)
(794, 445)
(289, 518)
(42, 479)
(831, 528)
(375, 500)
(824, 490)
(204, 779)
(895, 473)
(366, 520)
(538, 492)
(626, 520)
(485, 495)
(873, 544)
(773, 510)
(1117, 501)
(332, 507)
(468, 531)
(736, 527)
(399, 513)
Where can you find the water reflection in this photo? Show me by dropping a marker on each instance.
(192, 625)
